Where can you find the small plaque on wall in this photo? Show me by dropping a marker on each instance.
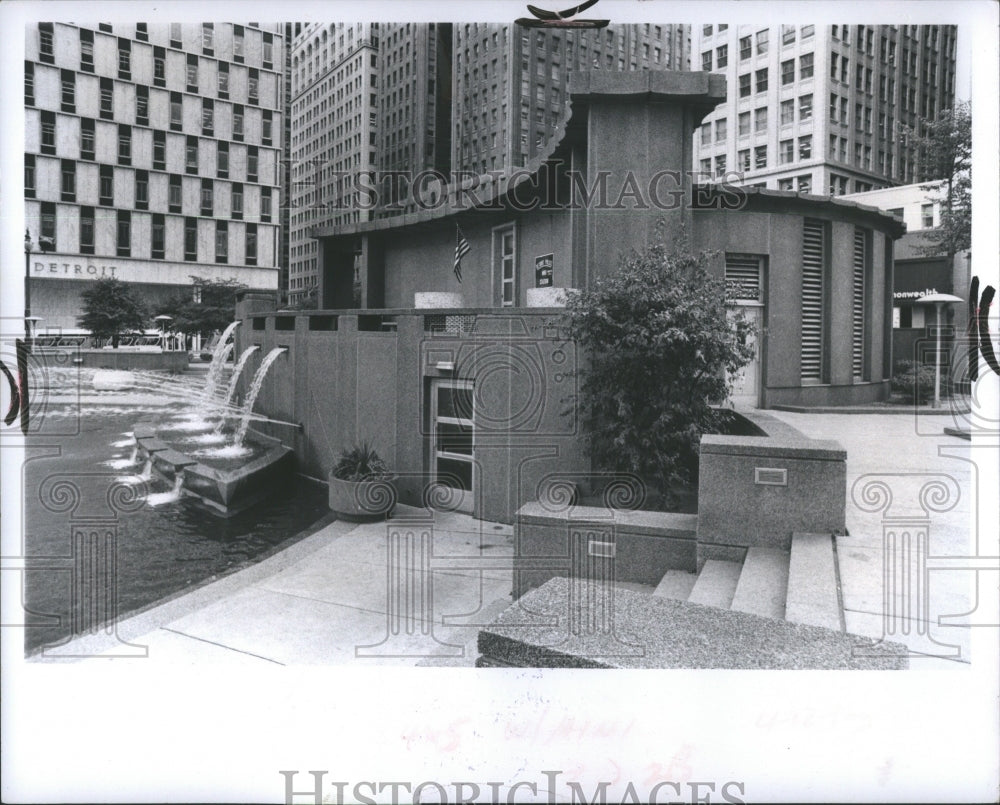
(543, 271)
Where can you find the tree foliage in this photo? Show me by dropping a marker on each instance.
(111, 308)
(659, 347)
(945, 152)
(208, 305)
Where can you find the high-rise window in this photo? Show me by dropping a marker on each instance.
(787, 110)
(45, 38)
(706, 61)
(29, 175)
(806, 107)
(159, 237)
(268, 55)
(761, 78)
(49, 133)
(746, 48)
(223, 80)
(174, 197)
(251, 245)
(265, 127)
(142, 105)
(720, 130)
(760, 119)
(722, 56)
(253, 86)
(125, 59)
(760, 157)
(207, 205)
(252, 163)
(238, 45)
(124, 233)
(107, 99)
(222, 160)
(191, 72)
(107, 186)
(159, 67)
(191, 155)
(208, 39)
(805, 146)
(221, 242)
(86, 138)
(805, 66)
(159, 150)
(786, 151)
(175, 35)
(236, 204)
(48, 222)
(86, 50)
(68, 189)
(762, 41)
(787, 35)
(207, 117)
(142, 31)
(743, 159)
(265, 204)
(29, 83)
(190, 238)
(787, 72)
(744, 123)
(86, 230)
(176, 108)
(237, 122)
(124, 145)
(142, 190)
(68, 81)
(745, 85)
(706, 133)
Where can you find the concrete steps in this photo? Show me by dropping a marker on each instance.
(799, 586)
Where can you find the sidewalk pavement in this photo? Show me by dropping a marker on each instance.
(329, 598)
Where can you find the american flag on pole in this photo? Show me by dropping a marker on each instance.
(461, 249)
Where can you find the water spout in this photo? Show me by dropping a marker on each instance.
(219, 356)
(159, 498)
(147, 469)
(258, 381)
(237, 371)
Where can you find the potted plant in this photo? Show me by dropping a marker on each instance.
(360, 485)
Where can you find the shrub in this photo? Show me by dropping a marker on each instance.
(914, 381)
(360, 463)
(659, 350)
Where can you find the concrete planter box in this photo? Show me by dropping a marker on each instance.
(361, 501)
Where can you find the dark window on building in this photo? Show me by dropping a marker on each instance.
(175, 35)
(49, 133)
(142, 105)
(222, 160)
(45, 48)
(191, 155)
(68, 187)
(190, 238)
(124, 233)
(251, 246)
(105, 26)
(207, 117)
(29, 175)
(142, 32)
(221, 242)
(142, 190)
(158, 249)
(208, 39)
(176, 111)
(86, 230)
(805, 66)
(86, 50)
(124, 59)
(237, 201)
(761, 76)
(159, 150)
(238, 51)
(207, 205)
(223, 80)
(265, 127)
(48, 223)
(251, 163)
(253, 86)
(86, 138)
(787, 72)
(265, 204)
(107, 99)
(107, 186)
(174, 198)
(191, 73)
(238, 122)
(29, 83)
(124, 145)
(268, 57)
(746, 48)
(159, 67)
(745, 85)
(722, 56)
(706, 61)
(68, 82)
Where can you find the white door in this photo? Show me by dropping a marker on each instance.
(746, 382)
(452, 438)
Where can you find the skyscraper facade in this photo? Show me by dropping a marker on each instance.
(510, 82)
(152, 153)
(822, 109)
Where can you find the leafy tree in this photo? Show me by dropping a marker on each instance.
(945, 152)
(207, 306)
(658, 346)
(112, 307)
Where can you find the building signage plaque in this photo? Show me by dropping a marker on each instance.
(543, 271)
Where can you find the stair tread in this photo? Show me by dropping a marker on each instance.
(812, 582)
(716, 583)
(676, 584)
(763, 583)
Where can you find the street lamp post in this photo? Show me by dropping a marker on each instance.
(938, 300)
(163, 321)
(27, 288)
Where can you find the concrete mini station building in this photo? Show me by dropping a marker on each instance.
(472, 380)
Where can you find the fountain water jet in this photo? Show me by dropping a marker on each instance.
(258, 382)
(222, 351)
(237, 371)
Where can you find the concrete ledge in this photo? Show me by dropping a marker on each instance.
(820, 449)
(543, 630)
(637, 521)
(119, 359)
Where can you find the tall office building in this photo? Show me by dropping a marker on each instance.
(292, 29)
(823, 109)
(510, 85)
(152, 153)
(335, 108)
